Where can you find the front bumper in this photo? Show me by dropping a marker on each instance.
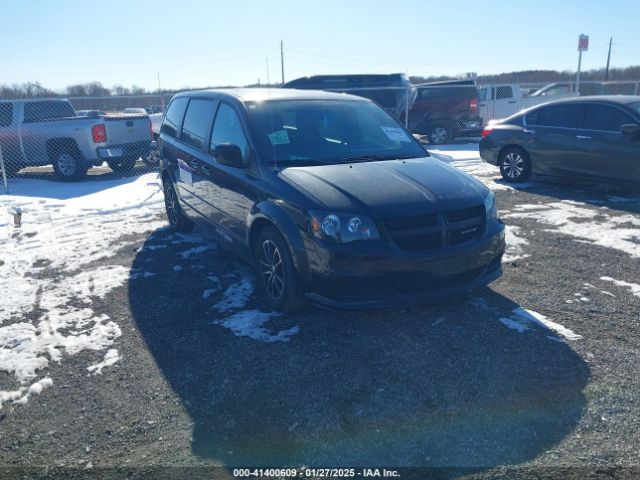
(385, 276)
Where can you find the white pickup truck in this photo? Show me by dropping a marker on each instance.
(501, 101)
(48, 132)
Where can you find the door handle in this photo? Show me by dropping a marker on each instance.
(583, 137)
(512, 101)
(528, 132)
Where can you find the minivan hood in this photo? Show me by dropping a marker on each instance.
(387, 189)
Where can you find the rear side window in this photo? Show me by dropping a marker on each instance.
(6, 114)
(504, 92)
(197, 121)
(604, 117)
(228, 129)
(173, 119)
(565, 116)
(36, 111)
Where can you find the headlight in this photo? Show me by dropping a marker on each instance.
(342, 227)
(490, 206)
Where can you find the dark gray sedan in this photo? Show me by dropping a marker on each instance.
(594, 138)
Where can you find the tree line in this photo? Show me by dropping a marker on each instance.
(91, 89)
(546, 76)
(97, 89)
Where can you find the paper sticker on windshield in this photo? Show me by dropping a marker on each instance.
(279, 137)
(395, 133)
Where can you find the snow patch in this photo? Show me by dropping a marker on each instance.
(43, 317)
(513, 324)
(529, 316)
(235, 296)
(249, 323)
(110, 358)
(192, 252)
(515, 245)
(634, 288)
(595, 226)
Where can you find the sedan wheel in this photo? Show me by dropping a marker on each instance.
(515, 165)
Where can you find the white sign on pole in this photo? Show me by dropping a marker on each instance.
(583, 43)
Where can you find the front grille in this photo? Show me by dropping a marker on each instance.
(434, 231)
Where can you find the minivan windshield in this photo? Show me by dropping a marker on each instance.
(329, 132)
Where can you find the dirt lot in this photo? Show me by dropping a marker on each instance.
(125, 345)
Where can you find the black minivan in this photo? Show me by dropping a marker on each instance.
(328, 196)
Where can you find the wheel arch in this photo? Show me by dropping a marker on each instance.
(512, 145)
(56, 144)
(269, 214)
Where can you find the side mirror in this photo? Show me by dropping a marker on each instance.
(229, 154)
(630, 128)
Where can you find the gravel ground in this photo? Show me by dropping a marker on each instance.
(202, 386)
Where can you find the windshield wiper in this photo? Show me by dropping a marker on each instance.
(373, 158)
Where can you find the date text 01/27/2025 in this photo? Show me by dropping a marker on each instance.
(315, 473)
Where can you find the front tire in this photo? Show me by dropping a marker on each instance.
(278, 281)
(68, 165)
(515, 165)
(177, 219)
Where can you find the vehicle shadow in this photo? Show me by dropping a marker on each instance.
(442, 385)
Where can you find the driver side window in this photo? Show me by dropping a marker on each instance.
(227, 129)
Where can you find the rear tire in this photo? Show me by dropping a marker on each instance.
(177, 219)
(515, 165)
(440, 135)
(278, 282)
(122, 165)
(67, 163)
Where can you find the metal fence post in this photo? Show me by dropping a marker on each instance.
(4, 172)
(406, 107)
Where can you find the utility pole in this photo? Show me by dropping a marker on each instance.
(282, 59)
(606, 74)
(160, 92)
(268, 77)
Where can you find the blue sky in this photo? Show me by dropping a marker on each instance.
(200, 43)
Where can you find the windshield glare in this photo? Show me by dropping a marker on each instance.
(329, 131)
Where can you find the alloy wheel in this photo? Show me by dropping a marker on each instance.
(271, 269)
(171, 205)
(513, 165)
